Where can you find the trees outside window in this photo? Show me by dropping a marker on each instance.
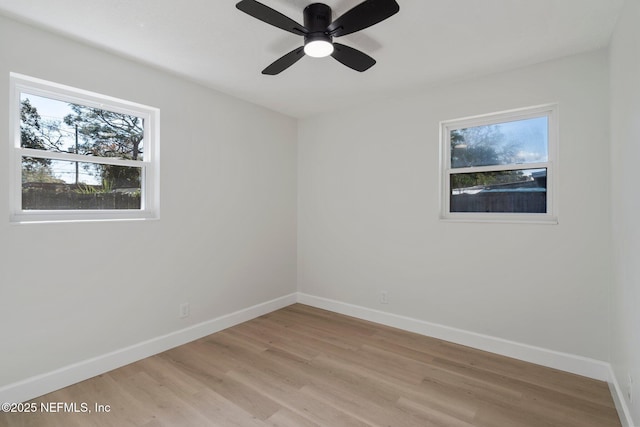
(497, 167)
(82, 155)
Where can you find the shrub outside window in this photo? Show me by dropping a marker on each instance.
(500, 167)
(78, 155)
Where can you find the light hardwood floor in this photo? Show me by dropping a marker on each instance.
(302, 367)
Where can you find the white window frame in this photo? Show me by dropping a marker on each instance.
(150, 190)
(551, 216)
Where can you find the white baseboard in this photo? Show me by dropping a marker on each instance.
(36, 386)
(619, 400)
(579, 365)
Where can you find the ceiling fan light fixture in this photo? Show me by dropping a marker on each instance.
(318, 48)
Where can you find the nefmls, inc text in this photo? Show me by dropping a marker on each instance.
(73, 407)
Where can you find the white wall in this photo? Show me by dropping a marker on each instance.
(625, 130)
(226, 239)
(368, 214)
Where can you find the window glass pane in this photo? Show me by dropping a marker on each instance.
(56, 184)
(521, 191)
(515, 142)
(48, 124)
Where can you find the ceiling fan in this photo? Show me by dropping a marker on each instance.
(319, 30)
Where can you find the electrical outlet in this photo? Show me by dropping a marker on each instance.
(184, 310)
(384, 297)
(630, 388)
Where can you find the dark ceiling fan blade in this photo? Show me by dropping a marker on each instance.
(352, 58)
(270, 16)
(286, 61)
(364, 15)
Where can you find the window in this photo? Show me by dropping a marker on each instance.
(500, 167)
(78, 155)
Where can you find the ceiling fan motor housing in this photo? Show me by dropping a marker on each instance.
(317, 17)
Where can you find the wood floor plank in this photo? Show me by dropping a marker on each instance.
(287, 418)
(432, 414)
(305, 367)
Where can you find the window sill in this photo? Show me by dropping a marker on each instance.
(503, 219)
(55, 218)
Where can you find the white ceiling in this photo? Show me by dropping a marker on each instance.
(427, 42)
